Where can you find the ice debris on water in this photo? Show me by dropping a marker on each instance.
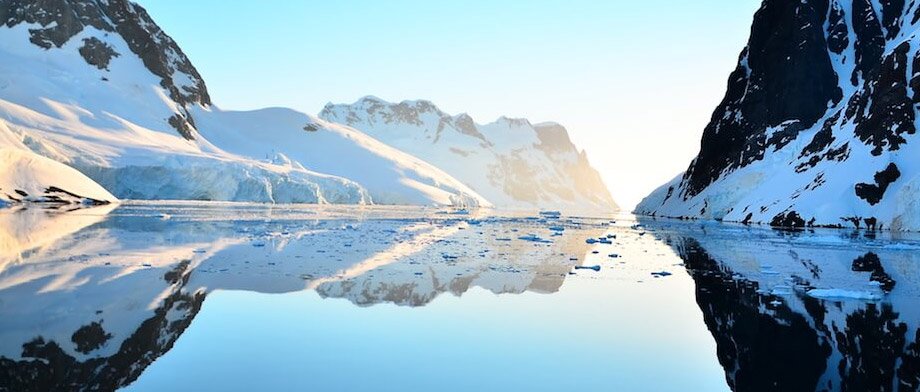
(601, 240)
(533, 238)
(595, 268)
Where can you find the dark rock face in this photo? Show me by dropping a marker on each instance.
(824, 89)
(97, 53)
(837, 32)
(90, 337)
(61, 20)
(869, 43)
(789, 219)
(784, 74)
(888, 113)
(873, 193)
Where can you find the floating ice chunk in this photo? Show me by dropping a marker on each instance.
(533, 238)
(844, 294)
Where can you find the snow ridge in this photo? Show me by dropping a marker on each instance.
(510, 162)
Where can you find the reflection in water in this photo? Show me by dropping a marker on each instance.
(806, 311)
(89, 300)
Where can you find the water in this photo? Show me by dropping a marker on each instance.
(212, 296)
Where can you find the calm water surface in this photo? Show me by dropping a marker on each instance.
(209, 296)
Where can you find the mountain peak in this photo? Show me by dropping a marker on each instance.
(511, 162)
(514, 122)
(55, 23)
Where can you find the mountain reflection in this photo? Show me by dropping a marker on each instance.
(810, 311)
(91, 297)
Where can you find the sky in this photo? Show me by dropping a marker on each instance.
(634, 82)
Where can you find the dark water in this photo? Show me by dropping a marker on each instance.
(244, 297)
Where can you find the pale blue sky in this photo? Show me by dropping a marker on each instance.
(634, 81)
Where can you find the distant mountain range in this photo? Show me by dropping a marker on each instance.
(98, 86)
(818, 126)
(510, 162)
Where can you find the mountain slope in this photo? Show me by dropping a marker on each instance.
(29, 177)
(510, 162)
(289, 138)
(98, 86)
(817, 127)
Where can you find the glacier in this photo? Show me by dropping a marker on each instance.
(100, 88)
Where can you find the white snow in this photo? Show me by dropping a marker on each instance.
(36, 176)
(506, 161)
(112, 126)
(29, 177)
(389, 175)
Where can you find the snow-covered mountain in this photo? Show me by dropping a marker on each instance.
(818, 125)
(510, 162)
(98, 86)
